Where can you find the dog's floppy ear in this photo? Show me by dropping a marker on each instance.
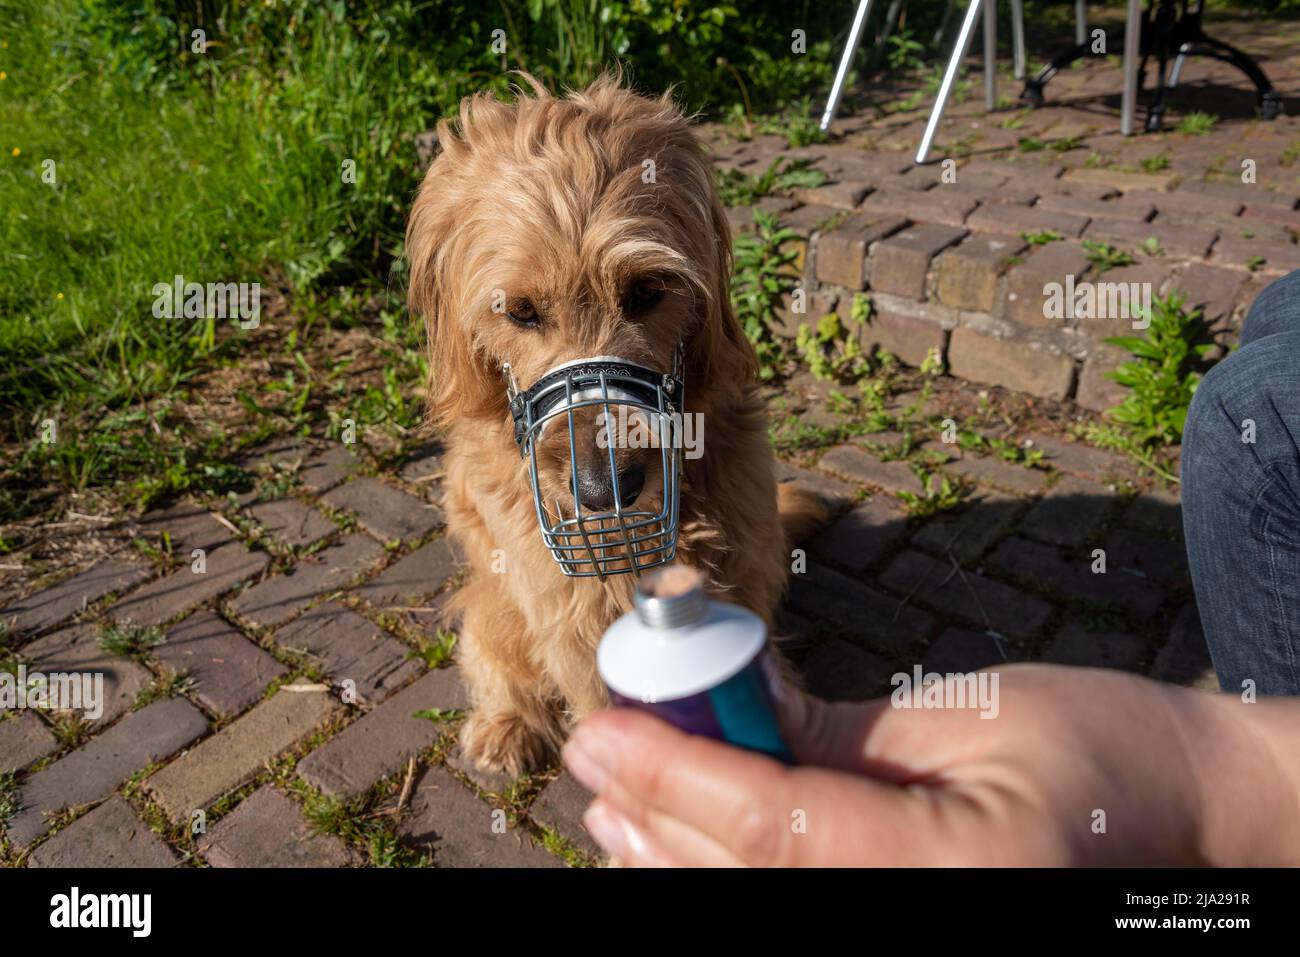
(459, 385)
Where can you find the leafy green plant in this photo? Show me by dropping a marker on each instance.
(760, 280)
(740, 189)
(1167, 364)
(1042, 238)
(1197, 123)
(1106, 257)
(831, 349)
(130, 641)
(938, 493)
(797, 123)
(1156, 164)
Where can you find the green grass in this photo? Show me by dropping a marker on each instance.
(1197, 123)
(219, 171)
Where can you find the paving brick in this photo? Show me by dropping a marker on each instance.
(24, 738)
(56, 604)
(492, 782)
(239, 751)
(414, 578)
(968, 534)
(1255, 212)
(1012, 363)
(1042, 564)
(1027, 284)
(461, 831)
(839, 671)
(383, 741)
(111, 835)
(851, 462)
(909, 338)
(1185, 658)
(186, 526)
(326, 470)
(281, 452)
(1194, 204)
(900, 263)
(278, 598)
(1124, 182)
(385, 512)
(1254, 254)
(992, 471)
(844, 195)
(1148, 557)
(1013, 220)
(859, 612)
(1071, 511)
(1129, 236)
(937, 584)
(961, 651)
(842, 251)
(1136, 207)
(268, 830)
(560, 807)
(1157, 510)
(228, 672)
(1079, 458)
(349, 648)
(76, 651)
(1240, 193)
(814, 305)
(1231, 227)
(1119, 298)
(969, 273)
(948, 207)
(95, 769)
(832, 493)
(425, 465)
(862, 535)
(165, 599)
(292, 522)
(806, 220)
(1010, 193)
(1079, 646)
(1096, 391)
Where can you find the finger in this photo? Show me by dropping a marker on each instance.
(828, 735)
(658, 842)
(757, 810)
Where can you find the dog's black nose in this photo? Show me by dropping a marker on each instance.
(596, 488)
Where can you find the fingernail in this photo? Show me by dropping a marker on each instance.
(590, 757)
(613, 832)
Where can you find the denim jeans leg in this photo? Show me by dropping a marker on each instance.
(1241, 499)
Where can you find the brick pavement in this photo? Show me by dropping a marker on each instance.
(293, 663)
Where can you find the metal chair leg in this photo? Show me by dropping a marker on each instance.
(991, 55)
(850, 47)
(1018, 37)
(959, 50)
(1132, 44)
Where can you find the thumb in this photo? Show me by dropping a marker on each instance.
(829, 735)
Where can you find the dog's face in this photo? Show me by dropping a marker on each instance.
(551, 230)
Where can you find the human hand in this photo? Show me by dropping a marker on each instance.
(1178, 777)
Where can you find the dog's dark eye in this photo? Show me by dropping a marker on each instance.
(643, 295)
(523, 313)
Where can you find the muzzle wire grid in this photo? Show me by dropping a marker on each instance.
(596, 544)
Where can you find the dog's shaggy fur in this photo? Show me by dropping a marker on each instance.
(547, 201)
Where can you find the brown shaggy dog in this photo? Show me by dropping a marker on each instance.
(545, 202)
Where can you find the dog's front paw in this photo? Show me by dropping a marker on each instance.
(502, 741)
